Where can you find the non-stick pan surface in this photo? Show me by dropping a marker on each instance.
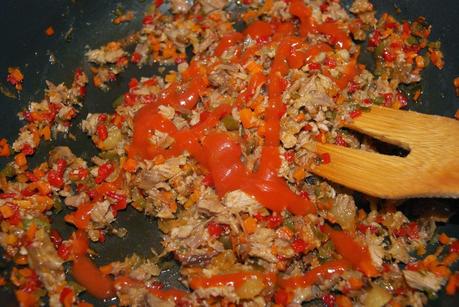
(80, 24)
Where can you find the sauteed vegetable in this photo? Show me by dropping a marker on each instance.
(219, 151)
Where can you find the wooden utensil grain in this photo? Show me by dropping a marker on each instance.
(431, 169)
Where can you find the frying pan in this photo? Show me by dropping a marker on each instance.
(80, 24)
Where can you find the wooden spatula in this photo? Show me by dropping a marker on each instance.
(431, 169)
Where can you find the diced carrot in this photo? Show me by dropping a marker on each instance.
(46, 133)
(443, 238)
(171, 77)
(451, 286)
(50, 31)
(355, 283)
(6, 211)
(246, 116)
(21, 260)
(4, 148)
(26, 299)
(441, 270)
(436, 57)
(299, 174)
(30, 234)
(419, 61)
(11, 239)
(253, 67)
(299, 117)
(250, 225)
(20, 159)
(97, 81)
(450, 259)
(2, 281)
(85, 304)
(130, 165)
(343, 301)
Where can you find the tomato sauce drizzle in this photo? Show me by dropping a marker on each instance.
(89, 276)
(220, 153)
(358, 255)
(324, 271)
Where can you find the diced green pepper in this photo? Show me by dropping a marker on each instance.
(230, 123)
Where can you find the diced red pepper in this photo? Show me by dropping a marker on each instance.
(364, 228)
(355, 113)
(55, 179)
(299, 246)
(281, 297)
(374, 39)
(352, 87)
(215, 229)
(387, 99)
(324, 7)
(329, 300)
(7, 195)
(339, 140)
(158, 3)
(61, 166)
(63, 251)
(314, 66)
(121, 201)
(391, 25)
(454, 248)
(129, 99)
(402, 99)
(136, 58)
(274, 221)
(31, 176)
(56, 238)
(325, 158)
(27, 150)
(133, 83)
(331, 63)
(102, 117)
(103, 172)
(289, 156)
(102, 132)
(66, 295)
(388, 56)
(410, 230)
(148, 20)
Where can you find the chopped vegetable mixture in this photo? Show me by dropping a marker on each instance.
(218, 150)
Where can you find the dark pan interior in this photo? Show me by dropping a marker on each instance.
(80, 24)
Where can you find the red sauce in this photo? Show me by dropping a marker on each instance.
(304, 13)
(350, 71)
(229, 174)
(221, 154)
(325, 271)
(90, 277)
(167, 294)
(260, 31)
(227, 41)
(338, 37)
(233, 279)
(356, 254)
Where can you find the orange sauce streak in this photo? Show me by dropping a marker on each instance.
(325, 271)
(89, 276)
(356, 254)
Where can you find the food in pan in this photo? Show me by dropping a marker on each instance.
(218, 151)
